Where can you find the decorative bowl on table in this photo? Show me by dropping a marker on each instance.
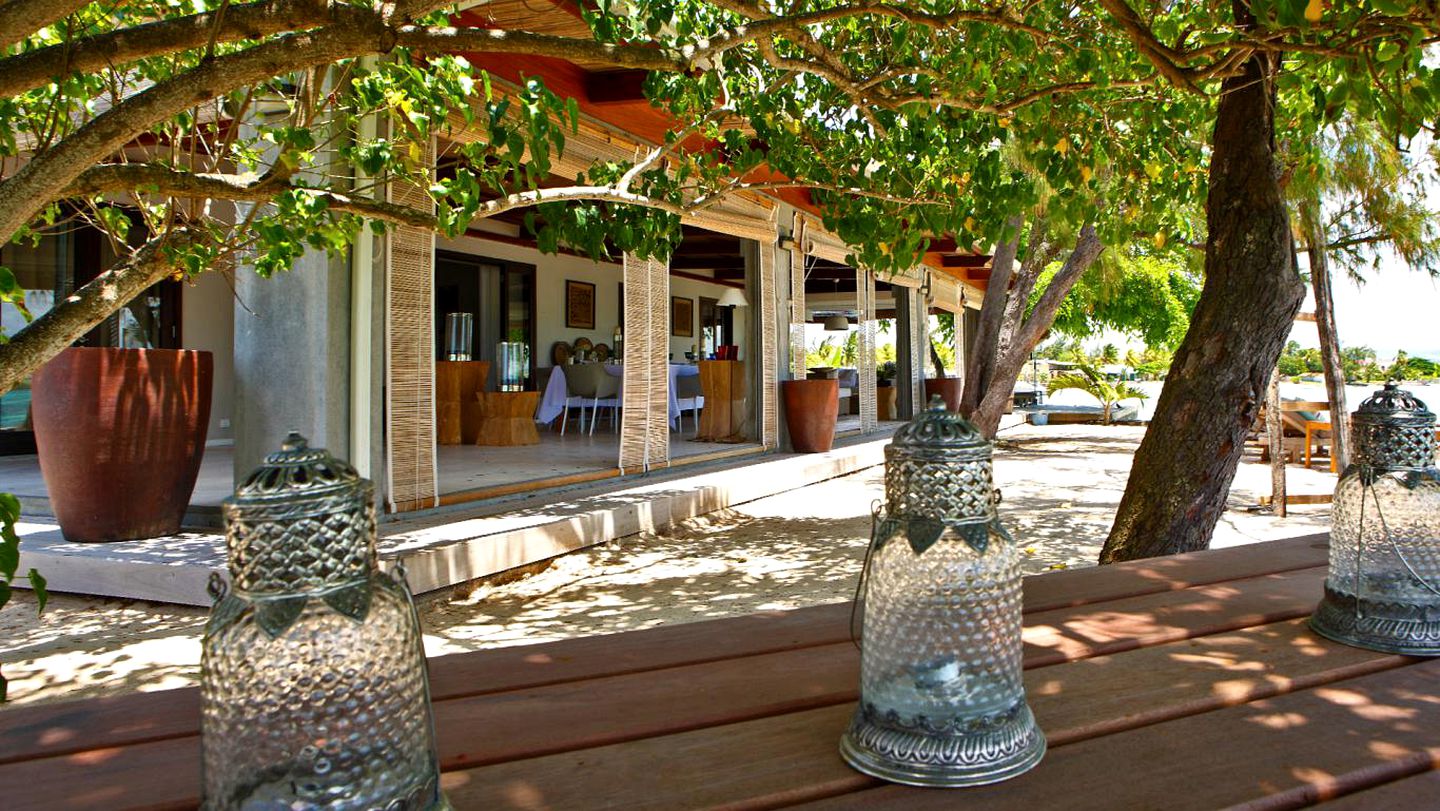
(602, 352)
(583, 345)
(560, 353)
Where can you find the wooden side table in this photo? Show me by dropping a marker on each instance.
(457, 411)
(723, 417)
(508, 418)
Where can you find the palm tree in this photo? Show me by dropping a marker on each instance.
(1092, 382)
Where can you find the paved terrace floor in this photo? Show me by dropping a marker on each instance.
(799, 548)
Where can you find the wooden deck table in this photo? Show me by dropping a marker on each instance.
(1181, 683)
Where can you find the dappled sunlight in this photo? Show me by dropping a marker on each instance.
(84, 646)
(1061, 486)
(1280, 720)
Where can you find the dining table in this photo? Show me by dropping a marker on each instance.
(552, 401)
(1177, 683)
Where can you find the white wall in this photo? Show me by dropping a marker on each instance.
(207, 321)
(553, 270)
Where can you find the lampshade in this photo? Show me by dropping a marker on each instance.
(837, 323)
(732, 297)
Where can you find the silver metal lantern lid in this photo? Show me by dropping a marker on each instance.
(1393, 430)
(302, 520)
(938, 466)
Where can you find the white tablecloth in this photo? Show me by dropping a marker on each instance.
(552, 402)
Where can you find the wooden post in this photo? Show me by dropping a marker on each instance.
(1275, 430)
(1329, 341)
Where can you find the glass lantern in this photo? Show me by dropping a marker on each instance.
(513, 358)
(459, 330)
(313, 684)
(1383, 587)
(942, 700)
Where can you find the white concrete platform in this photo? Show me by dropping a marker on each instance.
(445, 547)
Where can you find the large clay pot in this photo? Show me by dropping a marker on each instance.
(884, 403)
(810, 407)
(120, 433)
(947, 387)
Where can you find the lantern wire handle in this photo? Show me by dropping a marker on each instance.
(857, 613)
(1365, 477)
(1394, 547)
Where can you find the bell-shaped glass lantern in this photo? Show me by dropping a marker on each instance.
(942, 700)
(1383, 588)
(313, 684)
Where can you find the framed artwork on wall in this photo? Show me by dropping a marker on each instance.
(682, 317)
(579, 305)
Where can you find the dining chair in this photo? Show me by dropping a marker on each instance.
(575, 382)
(590, 385)
(688, 394)
(604, 393)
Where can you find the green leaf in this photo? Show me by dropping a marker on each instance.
(38, 584)
(9, 557)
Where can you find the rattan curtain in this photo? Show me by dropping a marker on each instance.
(409, 354)
(798, 314)
(865, 288)
(769, 346)
(920, 346)
(645, 421)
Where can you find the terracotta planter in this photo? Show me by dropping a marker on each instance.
(884, 403)
(947, 387)
(810, 413)
(120, 433)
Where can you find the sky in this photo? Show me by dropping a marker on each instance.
(1396, 308)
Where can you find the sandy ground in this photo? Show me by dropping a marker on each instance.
(1061, 486)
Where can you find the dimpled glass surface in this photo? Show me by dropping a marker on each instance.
(942, 631)
(331, 714)
(1401, 565)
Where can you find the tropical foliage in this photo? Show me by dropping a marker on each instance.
(10, 562)
(1094, 383)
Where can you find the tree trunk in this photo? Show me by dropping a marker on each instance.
(992, 310)
(1182, 472)
(935, 358)
(1022, 339)
(1329, 336)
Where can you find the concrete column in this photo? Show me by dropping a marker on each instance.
(292, 350)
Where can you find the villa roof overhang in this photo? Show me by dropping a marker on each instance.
(615, 99)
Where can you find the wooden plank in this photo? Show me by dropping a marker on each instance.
(657, 702)
(1286, 752)
(773, 761)
(71, 726)
(1301, 498)
(1408, 794)
(664, 702)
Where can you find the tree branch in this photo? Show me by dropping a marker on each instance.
(83, 310)
(41, 179)
(21, 18)
(35, 68)
(1163, 57)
